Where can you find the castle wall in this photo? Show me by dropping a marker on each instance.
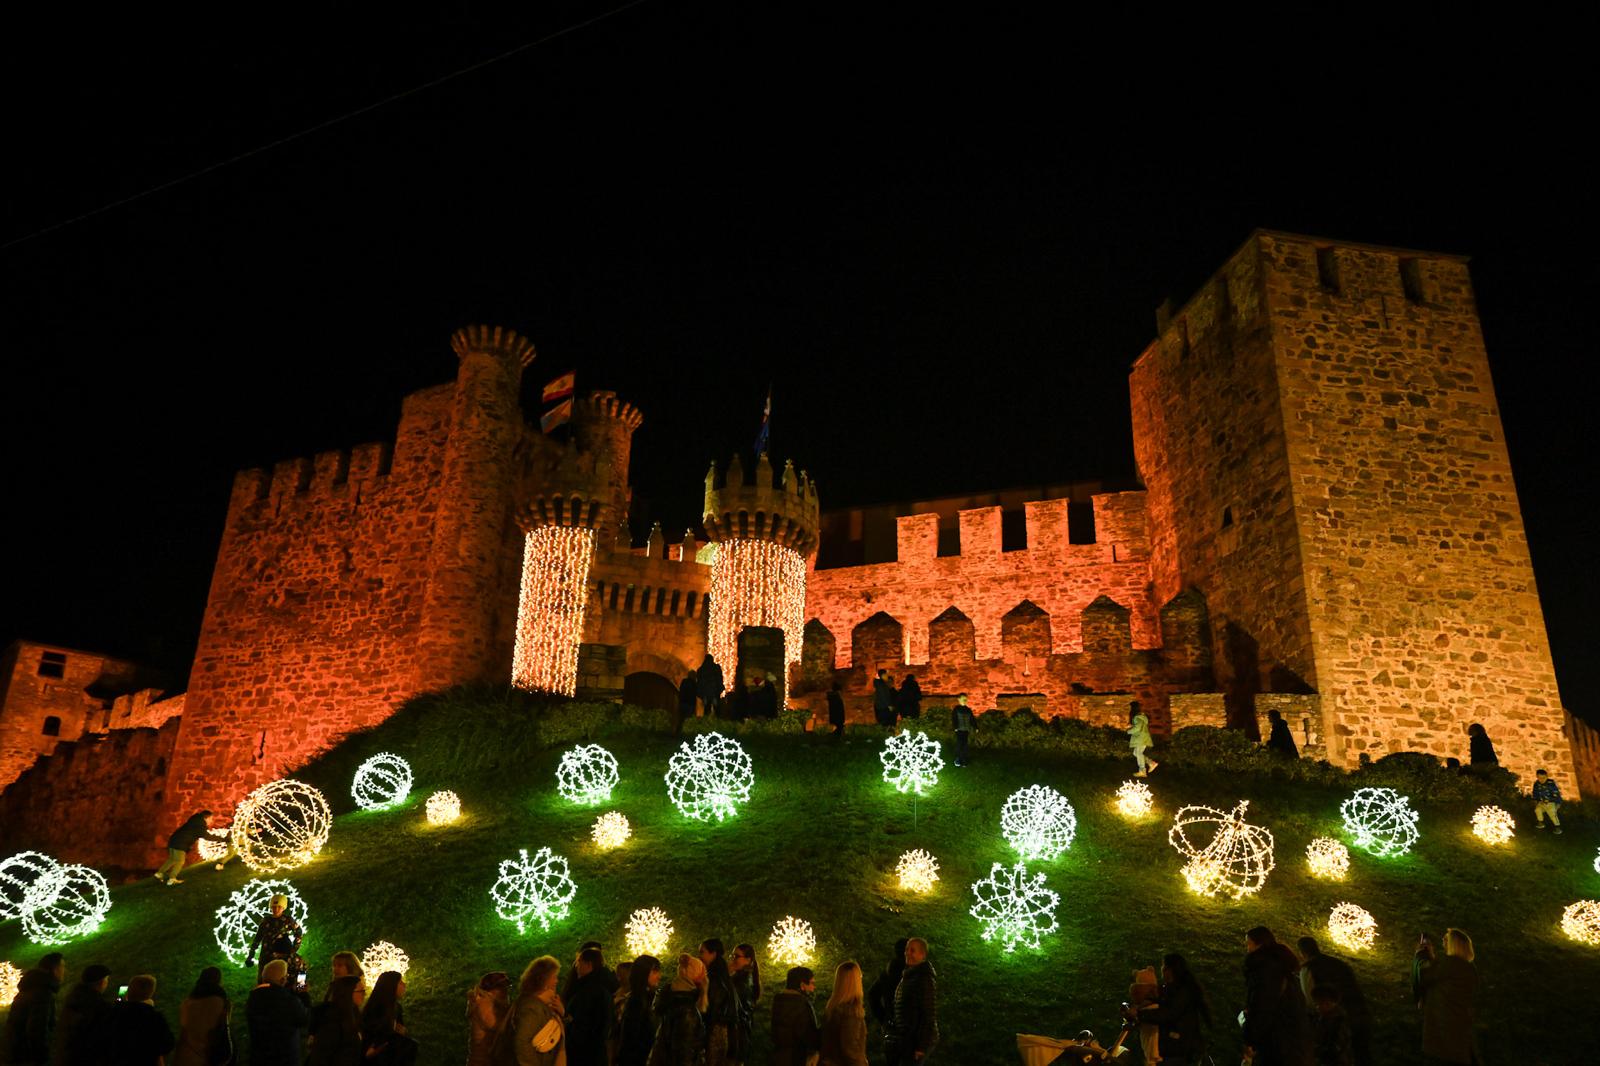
(654, 606)
(31, 700)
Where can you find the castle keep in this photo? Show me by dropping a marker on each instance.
(1327, 527)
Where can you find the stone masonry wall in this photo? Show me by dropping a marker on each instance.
(29, 699)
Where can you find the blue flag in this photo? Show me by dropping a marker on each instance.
(766, 424)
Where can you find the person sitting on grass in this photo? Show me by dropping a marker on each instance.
(1546, 798)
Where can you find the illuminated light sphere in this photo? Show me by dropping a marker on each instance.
(211, 850)
(1493, 825)
(539, 889)
(1581, 921)
(382, 781)
(1038, 822)
(587, 775)
(555, 590)
(792, 942)
(443, 808)
(65, 903)
(281, 825)
(1015, 907)
(17, 874)
(10, 978)
(754, 583)
(917, 871)
(709, 776)
(911, 762)
(1597, 862)
(1380, 820)
(1351, 927)
(611, 830)
(1328, 859)
(649, 932)
(383, 957)
(1234, 861)
(1134, 799)
(238, 919)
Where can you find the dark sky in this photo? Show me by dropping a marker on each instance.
(941, 243)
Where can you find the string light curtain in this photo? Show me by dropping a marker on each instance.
(555, 588)
(755, 583)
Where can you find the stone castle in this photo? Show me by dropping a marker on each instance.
(1328, 527)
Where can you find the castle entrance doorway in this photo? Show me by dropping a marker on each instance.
(647, 689)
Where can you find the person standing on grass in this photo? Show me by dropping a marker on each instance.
(588, 1011)
(278, 936)
(747, 993)
(722, 1005)
(1279, 739)
(681, 1030)
(31, 1021)
(844, 1020)
(1330, 1029)
(80, 1025)
(908, 703)
(638, 1019)
(709, 681)
(1139, 739)
(796, 1036)
(1546, 800)
(178, 845)
(1318, 970)
(1480, 750)
(205, 1036)
(961, 724)
(336, 1025)
(880, 997)
(276, 1018)
(346, 964)
(384, 1039)
(1181, 1014)
(688, 692)
(488, 1003)
(836, 711)
(1277, 1028)
(534, 1028)
(136, 1033)
(915, 1032)
(1445, 989)
(883, 700)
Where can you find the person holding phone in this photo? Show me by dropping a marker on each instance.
(1444, 989)
(135, 1030)
(276, 1017)
(277, 937)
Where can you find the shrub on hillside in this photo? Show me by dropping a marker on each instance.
(1424, 777)
(1025, 729)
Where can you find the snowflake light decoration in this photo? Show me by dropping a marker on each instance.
(917, 871)
(611, 830)
(281, 825)
(709, 776)
(10, 978)
(538, 889)
(911, 762)
(238, 919)
(1328, 859)
(383, 957)
(443, 808)
(649, 932)
(1351, 927)
(1235, 861)
(17, 874)
(382, 781)
(1038, 822)
(1015, 907)
(792, 942)
(66, 902)
(1381, 821)
(1581, 921)
(1134, 799)
(587, 775)
(1493, 825)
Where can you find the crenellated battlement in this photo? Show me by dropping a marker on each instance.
(786, 514)
(499, 341)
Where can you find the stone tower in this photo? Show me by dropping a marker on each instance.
(1319, 436)
(765, 540)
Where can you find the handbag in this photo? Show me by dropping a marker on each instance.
(548, 1036)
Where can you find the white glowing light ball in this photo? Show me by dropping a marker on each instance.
(443, 808)
(586, 775)
(917, 871)
(1134, 799)
(281, 825)
(1597, 862)
(238, 919)
(1493, 825)
(709, 776)
(1581, 921)
(383, 957)
(538, 889)
(10, 978)
(1038, 822)
(611, 830)
(382, 781)
(65, 903)
(1015, 907)
(1328, 859)
(649, 932)
(1381, 821)
(911, 762)
(1236, 859)
(1351, 927)
(792, 942)
(18, 873)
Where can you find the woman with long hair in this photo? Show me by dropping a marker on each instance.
(747, 993)
(1445, 989)
(336, 1025)
(1182, 1012)
(681, 1034)
(844, 1020)
(488, 1002)
(722, 1005)
(638, 1020)
(1277, 1027)
(384, 1041)
(205, 1035)
(536, 1026)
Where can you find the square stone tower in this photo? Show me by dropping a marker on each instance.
(1318, 433)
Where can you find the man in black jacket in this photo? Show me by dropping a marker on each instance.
(83, 1013)
(883, 700)
(277, 1019)
(796, 1036)
(915, 1032)
(31, 1023)
(588, 1003)
(178, 845)
(136, 1033)
(1321, 970)
(836, 710)
(709, 680)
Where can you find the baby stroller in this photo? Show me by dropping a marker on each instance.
(1080, 1050)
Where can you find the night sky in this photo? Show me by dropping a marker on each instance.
(942, 245)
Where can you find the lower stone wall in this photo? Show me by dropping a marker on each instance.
(1585, 740)
(1199, 708)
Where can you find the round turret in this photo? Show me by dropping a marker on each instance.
(787, 514)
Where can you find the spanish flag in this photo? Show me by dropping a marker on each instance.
(560, 388)
(559, 415)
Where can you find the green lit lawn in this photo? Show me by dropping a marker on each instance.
(818, 841)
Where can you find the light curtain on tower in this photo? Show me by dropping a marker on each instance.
(555, 588)
(755, 583)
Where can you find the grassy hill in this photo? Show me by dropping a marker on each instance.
(819, 840)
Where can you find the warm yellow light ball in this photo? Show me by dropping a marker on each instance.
(1134, 799)
(382, 957)
(443, 808)
(211, 850)
(649, 932)
(10, 977)
(1581, 921)
(1328, 859)
(1351, 927)
(1493, 825)
(611, 830)
(917, 871)
(792, 942)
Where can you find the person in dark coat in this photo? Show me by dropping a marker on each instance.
(1279, 739)
(336, 1025)
(638, 1022)
(688, 692)
(915, 1032)
(608, 976)
(880, 997)
(1182, 1013)
(278, 936)
(1480, 749)
(796, 1036)
(908, 704)
(31, 1022)
(81, 1019)
(1445, 989)
(275, 1017)
(1276, 1025)
(178, 845)
(764, 698)
(746, 978)
(722, 1004)
(961, 722)
(1330, 1029)
(136, 1034)
(1318, 971)
(883, 700)
(709, 681)
(681, 1030)
(738, 701)
(836, 711)
(588, 1006)
(384, 1039)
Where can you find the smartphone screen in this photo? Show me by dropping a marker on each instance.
(122, 991)
(299, 980)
